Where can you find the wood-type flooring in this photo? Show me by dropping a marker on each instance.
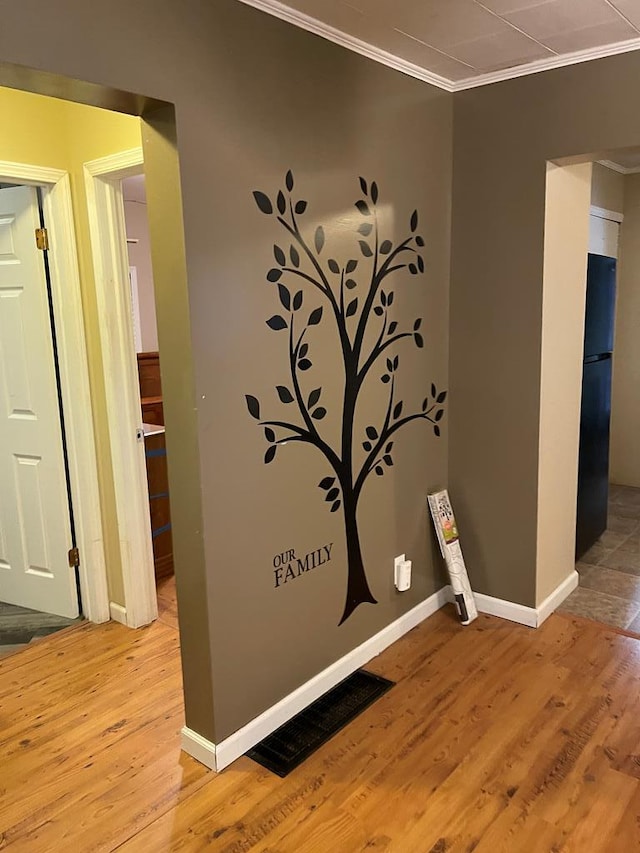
(496, 738)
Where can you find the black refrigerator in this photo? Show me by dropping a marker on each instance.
(595, 412)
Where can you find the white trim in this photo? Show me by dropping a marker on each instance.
(74, 375)
(616, 167)
(111, 266)
(319, 28)
(555, 599)
(118, 613)
(218, 756)
(506, 610)
(552, 62)
(603, 213)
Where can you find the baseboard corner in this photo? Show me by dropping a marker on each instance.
(555, 598)
(118, 613)
(198, 747)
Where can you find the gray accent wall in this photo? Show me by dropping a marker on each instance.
(253, 98)
(504, 135)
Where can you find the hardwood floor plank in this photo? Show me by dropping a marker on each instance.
(495, 738)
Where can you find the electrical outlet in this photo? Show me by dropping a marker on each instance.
(397, 567)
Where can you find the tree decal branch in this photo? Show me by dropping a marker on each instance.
(353, 308)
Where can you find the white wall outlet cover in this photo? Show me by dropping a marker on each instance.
(404, 576)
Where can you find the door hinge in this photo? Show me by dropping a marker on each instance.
(42, 239)
(74, 558)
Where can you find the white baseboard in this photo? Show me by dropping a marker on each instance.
(220, 755)
(532, 617)
(118, 613)
(555, 599)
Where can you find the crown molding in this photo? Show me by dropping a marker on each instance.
(312, 25)
(547, 64)
(616, 167)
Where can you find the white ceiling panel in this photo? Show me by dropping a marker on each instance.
(630, 9)
(561, 16)
(461, 43)
(590, 37)
(498, 51)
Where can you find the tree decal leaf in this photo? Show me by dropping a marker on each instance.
(304, 349)
(304, 364)
(363, 207)
(388, 460)
(253, 405)
(439, 414)
(365, 229)
(285, 297)
(351, 265)
(274, 274)
(295, 256)
(436, 429)
(285, 395)
(414, 220)
(279, 256)
(269, 456)
(386, 247)
(319, 413)
(392, 327)
(269, 434)
(442, 396)
(289, 180)
(297, 301)
(319, 238)
(433, 390)
(419, 241)
(315, 316)
(417, 324)
(365, 248)
(277, 323)
(397, 411)
(378, 310)
(420, 263)
(379, 470)
(326, 483)
(372, 432)
(418, 339)
(363, 186)
(374, 192)
(332, 494)
(335, 507)
(314, 396)
(350, 283)
(333, 265)
(281, 201)
(263, 202)
(352, 307)
(385, 378)
(300, 208)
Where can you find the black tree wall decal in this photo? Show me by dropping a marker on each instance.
(351, 308)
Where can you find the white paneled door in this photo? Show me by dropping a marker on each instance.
(35, 528)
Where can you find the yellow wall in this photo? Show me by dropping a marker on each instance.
(607, 188)
(48, 132)
(625, 402)
(566, 239)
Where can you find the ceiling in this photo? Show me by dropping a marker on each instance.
(457, 44)
(623, 160)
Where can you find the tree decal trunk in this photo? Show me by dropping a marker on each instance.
(352, 308)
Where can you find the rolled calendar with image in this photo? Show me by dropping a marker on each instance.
(447, 532)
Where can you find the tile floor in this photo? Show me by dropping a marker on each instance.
(609, 589)
(20, 626)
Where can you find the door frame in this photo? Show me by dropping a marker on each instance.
(111, 268)
(74, 376)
